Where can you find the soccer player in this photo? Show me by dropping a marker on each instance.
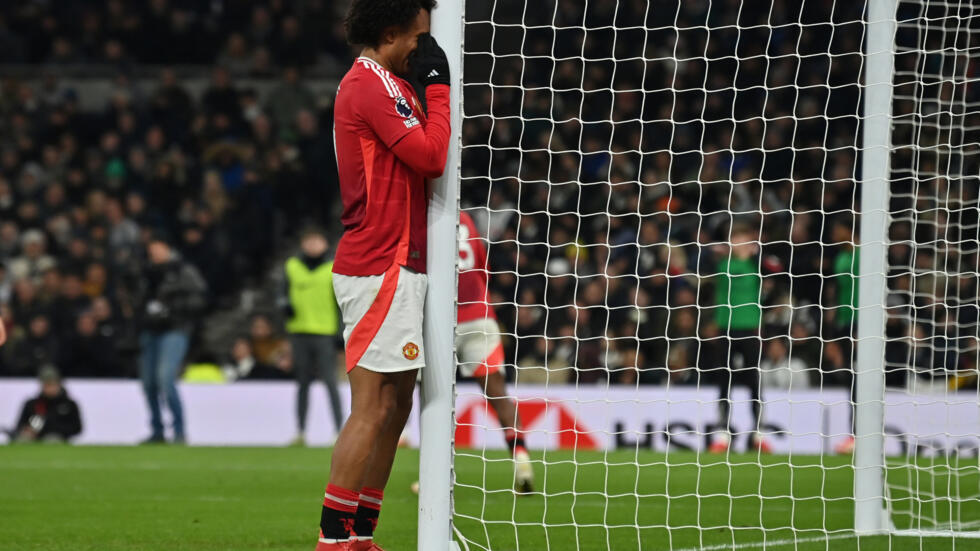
(739, 318)
(845, 270)
(480, 351)
(479, 348)
(386, 149)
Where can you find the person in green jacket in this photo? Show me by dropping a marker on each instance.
(312, 321)
(738, 314)
(845, 280)
(843, 313)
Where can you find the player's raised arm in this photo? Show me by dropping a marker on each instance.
(426, 151)
(386, 104)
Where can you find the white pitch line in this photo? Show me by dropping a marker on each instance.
(769, 543)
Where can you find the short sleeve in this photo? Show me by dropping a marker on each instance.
(387, 109)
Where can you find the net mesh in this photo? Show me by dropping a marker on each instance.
(667, 197)
(932, 325)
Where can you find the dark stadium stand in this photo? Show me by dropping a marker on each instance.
(104, 142)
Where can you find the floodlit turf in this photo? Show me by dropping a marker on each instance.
(175, 498)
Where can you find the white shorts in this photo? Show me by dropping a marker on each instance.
(382, 321)
(479, 350)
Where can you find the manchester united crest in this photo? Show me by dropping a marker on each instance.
(410, 351)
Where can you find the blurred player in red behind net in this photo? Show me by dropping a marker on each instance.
(479, 349)
(387, 148)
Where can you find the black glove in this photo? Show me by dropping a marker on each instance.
(429, 63)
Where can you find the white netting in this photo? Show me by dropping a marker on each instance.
(933, 262)
(637, 169)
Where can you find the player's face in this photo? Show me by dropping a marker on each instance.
(743, 245)
(406, 42)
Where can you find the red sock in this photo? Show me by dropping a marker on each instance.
(514, 441)
(368, 511)
(339, 511)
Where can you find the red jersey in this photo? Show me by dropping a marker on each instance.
(473, 273)
(385, 202)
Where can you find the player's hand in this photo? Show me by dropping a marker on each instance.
(429, 63)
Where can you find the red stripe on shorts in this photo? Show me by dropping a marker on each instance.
(492, 363)
(370, 323)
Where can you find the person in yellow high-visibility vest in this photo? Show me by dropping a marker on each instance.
(312, 320)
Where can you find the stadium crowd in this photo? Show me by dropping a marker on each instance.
(250, 38)
(607, 154)
(82, 190)
(611, 151)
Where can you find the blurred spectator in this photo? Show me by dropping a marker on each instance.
(87, 352)
(124, 233)
(241, 364)
(96, 280)
(170, 106)
(9, 231)
(262, 65)
(221, 100)
(28, 352)
(241, 361)
(235, 55)
(836, 364)
(6, 284)
(51, 417)
(935, 353)
(173, 294)
(105, 319)
(312, 320)
(287, 100)
(293, 46)
(34, 259)
(781, 370)
(69, 303)
(269, 348)
(684, 347)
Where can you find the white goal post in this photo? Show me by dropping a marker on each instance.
(619, 157)
(870, 515)
(439, 376)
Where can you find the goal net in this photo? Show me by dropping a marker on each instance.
(933, 480)
(670, 198)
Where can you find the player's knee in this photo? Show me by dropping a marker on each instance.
(165, 384)
(386, 410)
(375, 419)
(150, 387)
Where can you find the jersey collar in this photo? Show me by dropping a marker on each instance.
(371, 61)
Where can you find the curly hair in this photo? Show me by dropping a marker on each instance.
(367, 19)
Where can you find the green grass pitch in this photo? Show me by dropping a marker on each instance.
(181, 498)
